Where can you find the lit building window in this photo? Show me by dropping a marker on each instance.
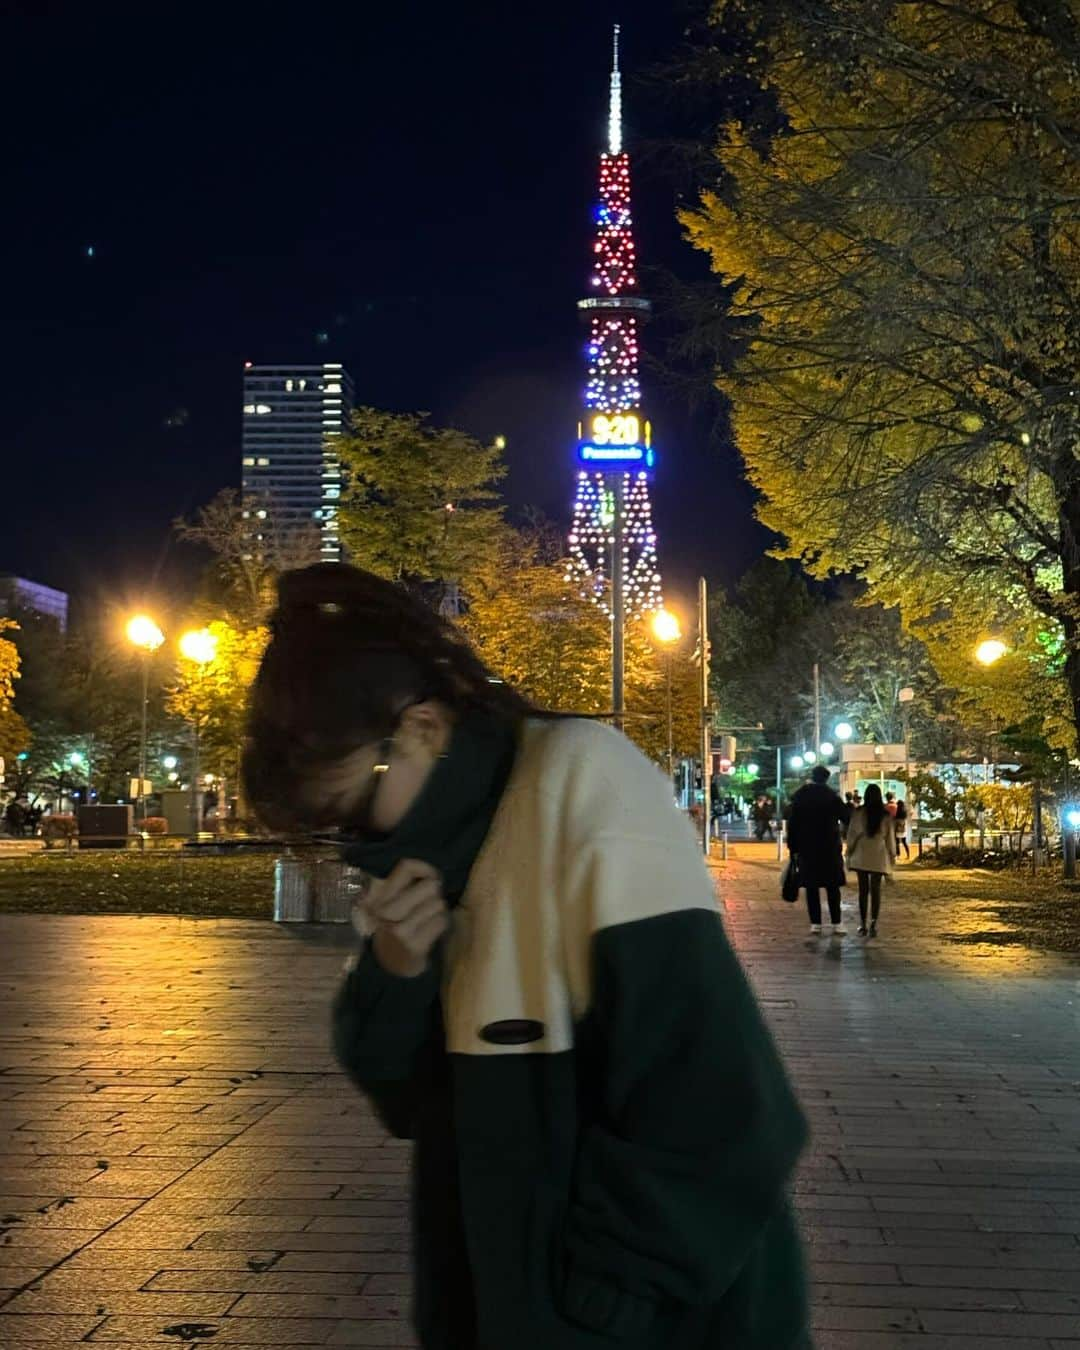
(262, 516)
(263, 462)
(261, 408)
(249, 407)
(332, 493)
(333, 388)
(288, 386)
(248, 462)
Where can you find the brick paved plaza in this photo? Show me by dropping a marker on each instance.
(184, 1165)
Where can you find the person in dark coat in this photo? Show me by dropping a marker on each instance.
(814, 825)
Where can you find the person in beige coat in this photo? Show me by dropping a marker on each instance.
(871, 848)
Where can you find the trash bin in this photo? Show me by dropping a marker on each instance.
(292, 891)
(334, 889)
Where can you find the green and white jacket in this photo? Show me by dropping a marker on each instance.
(605, 1134)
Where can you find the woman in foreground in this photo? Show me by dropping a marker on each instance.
(547, 1002)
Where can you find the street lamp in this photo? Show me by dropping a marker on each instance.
(667, 631)
(170, 761)
(199, 646)
(827, 748)
(753, 770)
(143, 632)
(906, 697)
(843, 731)
(809, 757)
(990, 651)
(75, 761)
(797, 762)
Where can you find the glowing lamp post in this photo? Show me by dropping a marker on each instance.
(143, 633)
(667, 631)
(199, 646)
(990, 651)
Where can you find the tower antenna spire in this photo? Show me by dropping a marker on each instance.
(615, 107)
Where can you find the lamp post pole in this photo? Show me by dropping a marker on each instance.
(200, 647)
(618, 601)
(706, 729)
(667, 632)
(196, 813)
(670, 724)
(142, 737)
(144, 633)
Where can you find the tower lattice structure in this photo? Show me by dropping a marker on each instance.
(612, 541)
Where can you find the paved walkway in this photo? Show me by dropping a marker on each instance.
(182, 1163)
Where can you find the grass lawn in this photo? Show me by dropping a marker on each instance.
(971, 906)
(1000, 908)
(158, 882)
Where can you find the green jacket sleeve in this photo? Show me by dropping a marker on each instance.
(700, 1130)
(381, 1025)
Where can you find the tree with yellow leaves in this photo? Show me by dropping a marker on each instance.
(14, 733)
(533, 629)
(903, 250)
(212, 697)
(420, 504)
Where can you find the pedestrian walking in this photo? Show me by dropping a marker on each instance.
(901, 824)
(761, 815)
(871, 845)
(15, 815)
(814, 822)
(543, 998)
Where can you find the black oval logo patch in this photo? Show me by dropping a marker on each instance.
(516, 1031)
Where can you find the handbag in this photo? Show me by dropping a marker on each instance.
(789, 881)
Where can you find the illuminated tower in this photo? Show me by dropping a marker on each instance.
(612, 541)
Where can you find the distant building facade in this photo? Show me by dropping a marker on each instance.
(290, 473)
(16, 593)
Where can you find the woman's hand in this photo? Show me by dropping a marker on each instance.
(408, 915)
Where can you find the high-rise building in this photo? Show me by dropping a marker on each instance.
(291, 475)
(612, 541)
(16, 593)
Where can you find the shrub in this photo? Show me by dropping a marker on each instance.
(58, 827)
(952, 855)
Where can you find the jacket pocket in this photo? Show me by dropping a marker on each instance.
(601, 1305)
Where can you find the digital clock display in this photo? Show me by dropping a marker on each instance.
(616, 440)
(616, 429)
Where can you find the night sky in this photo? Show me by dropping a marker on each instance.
(413, 180)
